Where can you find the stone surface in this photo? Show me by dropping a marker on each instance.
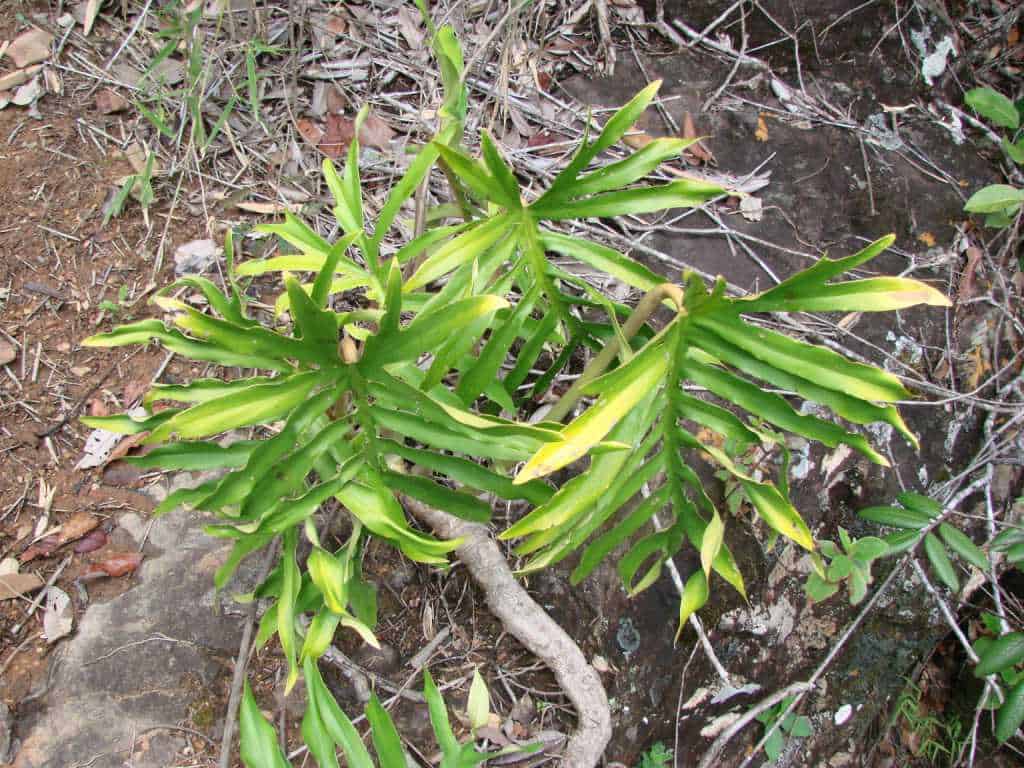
(139, 663)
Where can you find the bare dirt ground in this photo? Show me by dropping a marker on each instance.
(139, 646)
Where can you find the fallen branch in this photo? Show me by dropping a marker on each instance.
(537, 631)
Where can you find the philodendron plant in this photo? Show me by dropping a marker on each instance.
(423, 387)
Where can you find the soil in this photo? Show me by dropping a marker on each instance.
(827, 192)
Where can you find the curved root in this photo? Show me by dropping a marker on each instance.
(537, 631)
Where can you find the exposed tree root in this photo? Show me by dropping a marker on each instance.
(537, 631)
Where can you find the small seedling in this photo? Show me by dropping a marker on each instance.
(115, 308)
(1001, 203)
(790, 725)
(658, 756)
(851, 564)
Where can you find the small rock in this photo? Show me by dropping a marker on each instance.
(295, 702)
(195, 257)
(383, 660)
(842, 714)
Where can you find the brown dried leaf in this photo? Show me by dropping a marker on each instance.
(966, 289)
(42, 548)
(13, 79)
(118, 564)
(133, 391)
(636, 139)
(409, 24)
(698, 152)
(309, 130)
(338, 135)
(30, 47)
(122, 448)
(98, 408)
(761, 134)
(80, 524)
(109, 101)
(91, 542)
(337, 25)
(375, 132)
(267, 209)
(75, 528)
(336, 101)
(18, 584)
(7, 352)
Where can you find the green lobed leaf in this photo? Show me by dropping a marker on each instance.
(439, 718)
(257, 738)
(613, 130)
(257, 404)
(810, 362)
(385, 737)
(646, 371)
(334, 720)
(685, 193)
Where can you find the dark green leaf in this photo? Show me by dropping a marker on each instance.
(1004, 652)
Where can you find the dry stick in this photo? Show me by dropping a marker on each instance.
(820, 670)
(537, 631)
(648, 304)
(711, 756)
(240, 665)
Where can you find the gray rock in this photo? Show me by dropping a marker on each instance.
(138, 663)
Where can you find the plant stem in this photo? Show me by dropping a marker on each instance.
(644, 309)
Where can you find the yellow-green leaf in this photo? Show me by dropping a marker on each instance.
(695, 595)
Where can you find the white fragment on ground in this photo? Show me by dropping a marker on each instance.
(800, 464)
(905, 349)
(59, 616)
(751, 208)
(101, 442)
(777, 619)
(195, 257)
(719, 724)
(843, 714)
(934, 61)
(834, 461)
(28, 93)
(699, 697)
(729, 691)
(934, 64)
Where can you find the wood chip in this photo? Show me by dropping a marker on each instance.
(90, 12)
(30, 47)
(18, 584)
(7, 352)
(109, 101)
